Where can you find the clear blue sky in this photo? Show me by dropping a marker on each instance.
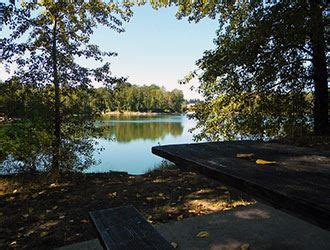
(156, 48)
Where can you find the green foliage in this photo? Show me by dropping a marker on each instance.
(25, 134)
(48, 102)
(263, 48)
(127, 97)
(257, 79)
(253, 115)
(24, 146)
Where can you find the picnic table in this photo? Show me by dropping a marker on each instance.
(298, 181)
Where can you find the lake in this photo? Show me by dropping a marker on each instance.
(127, 141)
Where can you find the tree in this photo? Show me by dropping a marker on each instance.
(24, 136)
(47, 38)
(127, 97)
(176, 99)
(265, 55)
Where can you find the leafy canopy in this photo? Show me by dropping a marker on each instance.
(257, 82)
(47, 38)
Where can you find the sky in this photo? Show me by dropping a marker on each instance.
(156, 48)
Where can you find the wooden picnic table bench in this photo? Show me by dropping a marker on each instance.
(125, 228)
(298, 183)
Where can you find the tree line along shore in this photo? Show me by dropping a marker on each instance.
(139, 99)
(123, 98)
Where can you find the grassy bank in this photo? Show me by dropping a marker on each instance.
(36, 213)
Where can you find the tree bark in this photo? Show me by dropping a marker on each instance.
(320, 74)
(57, 103)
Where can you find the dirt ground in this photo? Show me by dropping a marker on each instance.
(39, 213)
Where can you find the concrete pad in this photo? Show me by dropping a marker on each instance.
(259, 226)
(84, 245)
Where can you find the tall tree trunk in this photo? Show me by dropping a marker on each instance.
(320, 74)
(57, 113)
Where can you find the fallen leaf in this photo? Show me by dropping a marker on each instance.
(35, 195)
(264, 162)
(245, 246)
(114, 194)
(43, 234)
(180, 217)
(203, 234)
(249, 155)
(15, 191)
(149, 219)
(52, 185)
(174, 244)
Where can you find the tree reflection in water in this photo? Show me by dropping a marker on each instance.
(124, 131)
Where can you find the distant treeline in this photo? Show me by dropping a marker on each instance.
(19, 101)
(128, 97)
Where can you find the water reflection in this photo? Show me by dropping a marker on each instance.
(124, 132)
(127, 141)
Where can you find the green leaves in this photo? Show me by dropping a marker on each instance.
(257, 80)
(49, 94)
(127, 97)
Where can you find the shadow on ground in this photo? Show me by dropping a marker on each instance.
(253, 227)
(37, 213)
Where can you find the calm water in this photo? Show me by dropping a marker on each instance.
(127, 141)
